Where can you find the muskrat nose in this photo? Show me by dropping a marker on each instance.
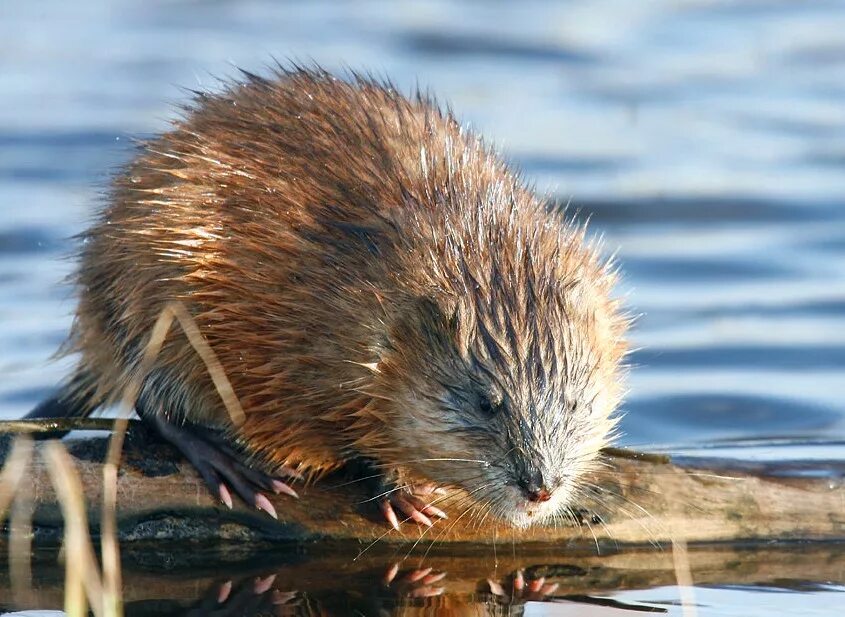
(534, 487)
(539, 495)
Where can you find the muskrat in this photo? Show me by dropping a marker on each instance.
(377, 284)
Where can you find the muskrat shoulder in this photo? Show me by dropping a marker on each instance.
(377, 285)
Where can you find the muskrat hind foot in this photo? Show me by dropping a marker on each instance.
(255, 596)
(220, 465)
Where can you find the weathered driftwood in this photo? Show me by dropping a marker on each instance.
(639, 499)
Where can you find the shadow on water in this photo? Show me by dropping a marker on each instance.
(792, 357)
(723, 210)
(24, 241)
(66, 158)
(492, 48)
(811, 309)
(704, 270)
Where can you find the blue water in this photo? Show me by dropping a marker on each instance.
(705, 138)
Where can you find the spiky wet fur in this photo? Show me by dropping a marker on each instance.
(363, 267)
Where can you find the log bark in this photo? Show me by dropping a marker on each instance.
(638, 499)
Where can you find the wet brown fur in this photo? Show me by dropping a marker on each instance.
(328, 236)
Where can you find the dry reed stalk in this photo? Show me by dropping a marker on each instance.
(20, 548)
(20, 527)
(13, 471)
(683, 576)
(108, 523)
(82, 578)
(84, 583)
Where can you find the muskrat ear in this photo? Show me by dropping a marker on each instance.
(422, 316)
(446, 318)
(430, 312)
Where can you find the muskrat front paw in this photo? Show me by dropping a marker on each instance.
(532, 590)
(221, 466)
(417, 583)
(410, 502)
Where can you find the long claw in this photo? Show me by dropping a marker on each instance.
(410, 509)
(225, 495)
(432, 511)
(282, 597)
(416, 575)
(223, 592)
(390, 514)
(263, 585)
(281, 487)
(262, 503)
(421, 518)
(290, 472)
(495, 588)
(414, 514)
(519, 581)
(391, 574)
(424, 489)
(433, 578)
(427, 592)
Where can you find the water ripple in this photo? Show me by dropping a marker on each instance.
(703, 139)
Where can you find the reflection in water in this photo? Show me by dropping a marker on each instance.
(400, 593)
(184, 579)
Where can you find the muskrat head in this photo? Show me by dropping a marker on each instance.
(510, 402)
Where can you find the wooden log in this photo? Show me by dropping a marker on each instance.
(638, 499)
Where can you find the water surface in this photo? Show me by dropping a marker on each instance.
(705, 139)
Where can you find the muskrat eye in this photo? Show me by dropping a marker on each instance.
(487, 406)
